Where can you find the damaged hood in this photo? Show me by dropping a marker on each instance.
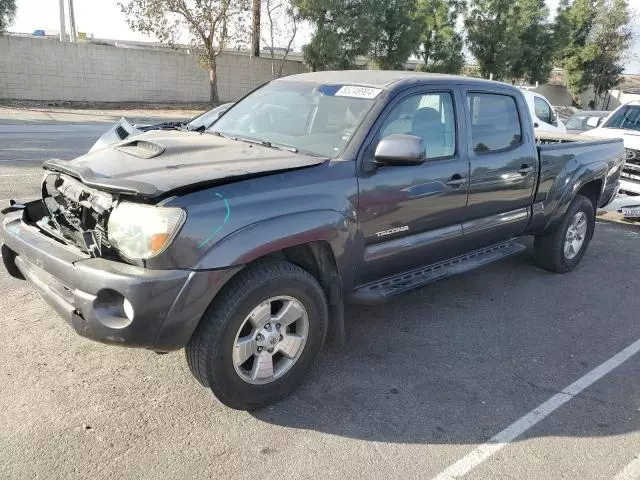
(157, 162)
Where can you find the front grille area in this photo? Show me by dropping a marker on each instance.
(77, 215)
(631, 170)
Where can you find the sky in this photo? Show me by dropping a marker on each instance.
(104, 19)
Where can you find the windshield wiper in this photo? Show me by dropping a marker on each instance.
(264, 143)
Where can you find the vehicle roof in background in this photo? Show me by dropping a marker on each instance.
(387, 78)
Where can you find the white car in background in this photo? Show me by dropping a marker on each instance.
(545, 119)
(623, 123)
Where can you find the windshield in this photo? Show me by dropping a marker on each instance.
(579, 120)
(318, 119)
(207, 118)
(626, 118)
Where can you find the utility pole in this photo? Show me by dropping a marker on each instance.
(72, 23)
(63, 28)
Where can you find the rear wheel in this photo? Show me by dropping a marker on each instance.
(258, 339)
(561, 249)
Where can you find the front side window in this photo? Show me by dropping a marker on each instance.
(429, 116)
(626, 118)
(542, 109)
(312, 118)
(495, 124)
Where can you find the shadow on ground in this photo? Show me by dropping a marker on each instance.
(458, 361)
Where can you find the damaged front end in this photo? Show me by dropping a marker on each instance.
(76, 214)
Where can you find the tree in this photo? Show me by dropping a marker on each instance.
(282, 24)
(592, 37)
(573, 25)
(211, 25)
(256, 7)
(489, 25)
(511, 39)
(532, 55)
(343, 32)
(440, 43)
(7, 14)
(612, 36)
(397, 32)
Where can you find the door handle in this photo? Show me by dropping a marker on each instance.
(456, 181)
(525, 170)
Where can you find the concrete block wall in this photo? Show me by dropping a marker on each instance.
(46, 69)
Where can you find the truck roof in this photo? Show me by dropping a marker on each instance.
(386, 78)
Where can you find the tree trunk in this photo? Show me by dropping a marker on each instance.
(213, 83)
(255, 27)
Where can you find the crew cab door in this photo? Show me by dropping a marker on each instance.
(411, 216)
(504, 166)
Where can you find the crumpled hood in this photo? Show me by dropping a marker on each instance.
(157, 162)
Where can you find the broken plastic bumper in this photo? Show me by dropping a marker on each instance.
(110, 301)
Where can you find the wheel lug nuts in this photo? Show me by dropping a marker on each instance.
(268, 326)
(259, 336)
(260, 349)
(277, 326)
(270, 350)
(281, 337)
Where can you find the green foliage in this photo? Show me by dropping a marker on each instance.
(612, 35)
(440, 43)
(573, 25)
(592, 37)
(397, 32)
(343, 32)
(511, 39)
(7, 14)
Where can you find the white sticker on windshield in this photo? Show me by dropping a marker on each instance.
(358, 92)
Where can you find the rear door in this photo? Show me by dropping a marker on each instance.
(411, 216)
(504, 166)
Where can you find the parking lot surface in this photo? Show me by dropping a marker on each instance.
(426, 382)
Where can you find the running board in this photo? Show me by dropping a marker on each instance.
(378, 292)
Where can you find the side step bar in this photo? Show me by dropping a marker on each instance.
(380, 291)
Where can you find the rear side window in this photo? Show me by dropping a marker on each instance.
(542, 109)
(495, 124)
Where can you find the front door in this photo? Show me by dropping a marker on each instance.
(411, 216)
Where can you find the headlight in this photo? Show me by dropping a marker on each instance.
(143, 231)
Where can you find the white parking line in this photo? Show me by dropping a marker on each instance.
(631, 471)
(513, 431)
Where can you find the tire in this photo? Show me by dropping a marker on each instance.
(549, 249)
(211, 351)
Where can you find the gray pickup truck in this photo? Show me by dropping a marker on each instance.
(242, 244)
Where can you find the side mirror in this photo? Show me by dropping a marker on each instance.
(400, 150)
(593, 121)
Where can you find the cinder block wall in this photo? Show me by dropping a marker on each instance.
(46, 69)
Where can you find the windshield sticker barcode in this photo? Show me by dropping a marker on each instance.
(358, 92)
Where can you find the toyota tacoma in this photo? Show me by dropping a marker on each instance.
(243, 243)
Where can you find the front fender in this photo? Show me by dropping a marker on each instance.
(274, 234)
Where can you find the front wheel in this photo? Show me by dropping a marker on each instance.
(561, 249)
(258, 339)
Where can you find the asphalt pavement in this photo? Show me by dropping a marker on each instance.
(431, 380)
